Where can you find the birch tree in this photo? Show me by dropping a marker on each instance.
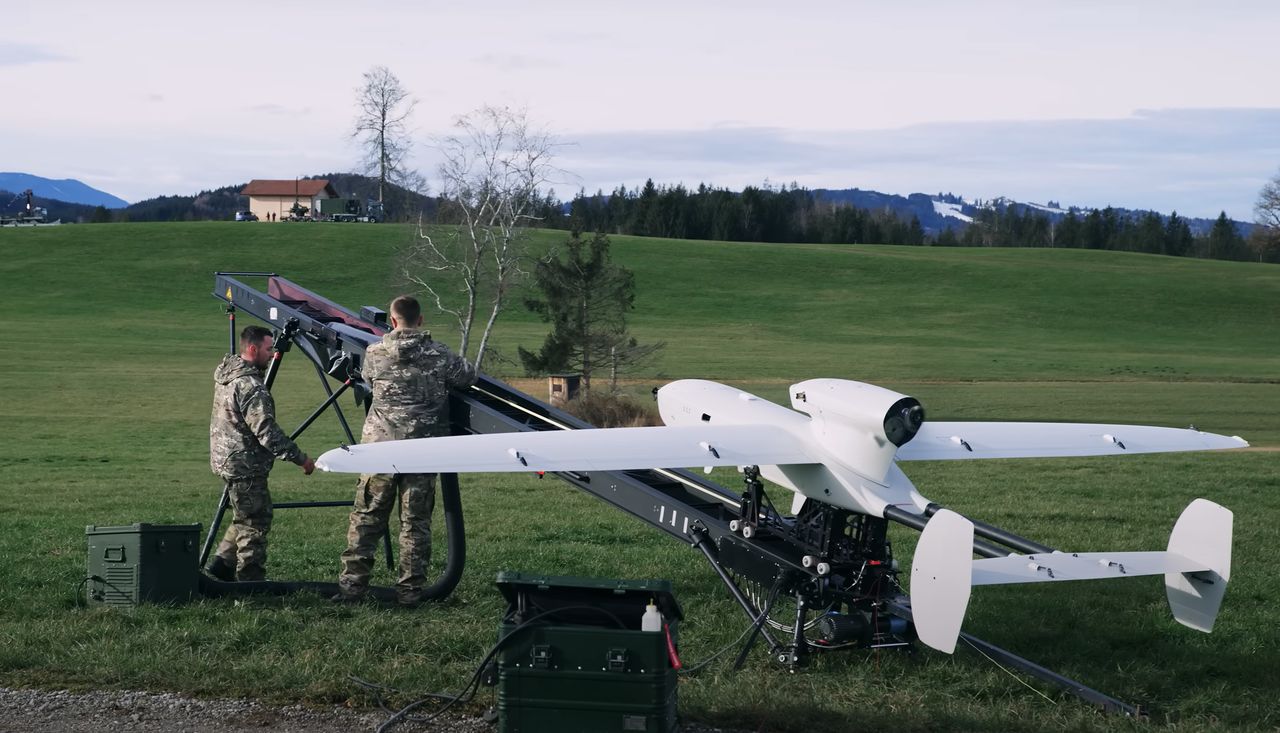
(1265, 239)
(494, 167)
(383, 109)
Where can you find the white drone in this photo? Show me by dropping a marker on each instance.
(841, 445)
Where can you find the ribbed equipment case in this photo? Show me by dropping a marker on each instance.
(153, 563)
(587, 667)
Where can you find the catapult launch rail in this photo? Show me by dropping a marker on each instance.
(778, 553)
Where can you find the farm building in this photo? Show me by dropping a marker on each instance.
(278, 197)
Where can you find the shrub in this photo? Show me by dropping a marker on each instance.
(612, 410)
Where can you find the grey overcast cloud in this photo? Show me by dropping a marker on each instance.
(1162, 105)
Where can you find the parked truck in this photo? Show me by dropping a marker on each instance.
(350, 209)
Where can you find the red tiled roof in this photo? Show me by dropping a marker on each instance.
(301, 188)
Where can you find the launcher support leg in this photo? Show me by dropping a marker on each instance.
(703, 542)
(759, 624)
(214, 526)
(333, 397)
(337, 410)
(278, 350)
(231, 322)
(794, 656)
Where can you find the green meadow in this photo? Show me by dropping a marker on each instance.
(112, 336)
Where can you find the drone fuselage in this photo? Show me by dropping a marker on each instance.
(852, 464)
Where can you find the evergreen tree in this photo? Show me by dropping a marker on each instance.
(1067, 233)
(1224, 242)
(1177, 236)
(586, 299)
(947, 238)
(1149, 234)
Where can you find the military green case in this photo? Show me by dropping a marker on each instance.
(154, 563)
(587, 667)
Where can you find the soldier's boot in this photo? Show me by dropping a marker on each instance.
(221, 569)
(409, 600)
(351, 589)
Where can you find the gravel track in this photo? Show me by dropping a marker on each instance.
(32, 711)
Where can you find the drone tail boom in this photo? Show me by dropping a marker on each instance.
(1196, 566)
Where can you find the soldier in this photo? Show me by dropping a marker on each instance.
(411, 377)
(244, 441)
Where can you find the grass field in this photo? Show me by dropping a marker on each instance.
(113, 336)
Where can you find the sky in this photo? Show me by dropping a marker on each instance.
(1167, 105)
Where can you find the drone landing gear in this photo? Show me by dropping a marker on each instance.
(842, 583)
(751, 505)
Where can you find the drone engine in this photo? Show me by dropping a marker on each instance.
(862, 425)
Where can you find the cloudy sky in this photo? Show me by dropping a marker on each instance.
(1161, 104)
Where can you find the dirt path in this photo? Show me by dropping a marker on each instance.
(29, 711)
(37, 711)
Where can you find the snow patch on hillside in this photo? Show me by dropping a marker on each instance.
(953, 210)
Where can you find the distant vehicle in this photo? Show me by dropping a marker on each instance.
(29, 215)
(246, 216)
(351, 209)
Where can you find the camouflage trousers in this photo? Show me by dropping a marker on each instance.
(376, 495)
(244, 546)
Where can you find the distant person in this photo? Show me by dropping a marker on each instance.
(244, 442)
(411, 376)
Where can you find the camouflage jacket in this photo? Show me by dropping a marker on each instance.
(244, 438)
(411, 377)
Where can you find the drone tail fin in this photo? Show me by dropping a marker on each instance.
(1196, 568)
(941, 579)
(1202, 534)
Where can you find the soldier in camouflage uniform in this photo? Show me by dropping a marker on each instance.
(244, 441)
(411, 376)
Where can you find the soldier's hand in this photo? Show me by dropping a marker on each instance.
(308, 467)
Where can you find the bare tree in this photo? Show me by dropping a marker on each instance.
(494, 167)
(381, 127)
(1266, 214)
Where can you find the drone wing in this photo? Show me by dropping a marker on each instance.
(943, 441)
(1196, 567)
(597, 449)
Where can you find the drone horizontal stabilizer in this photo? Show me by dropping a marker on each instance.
(949, 441)
(611, 449)
(1196, 567)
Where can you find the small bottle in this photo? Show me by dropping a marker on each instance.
(652, 619)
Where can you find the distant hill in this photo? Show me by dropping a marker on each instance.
(942, 211)
(68, 190)
(217, 204)
(73, 201)
(222, 203)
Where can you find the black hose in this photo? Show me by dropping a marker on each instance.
(450, 575)
(455, 540)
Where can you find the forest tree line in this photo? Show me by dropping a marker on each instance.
(796, 214)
